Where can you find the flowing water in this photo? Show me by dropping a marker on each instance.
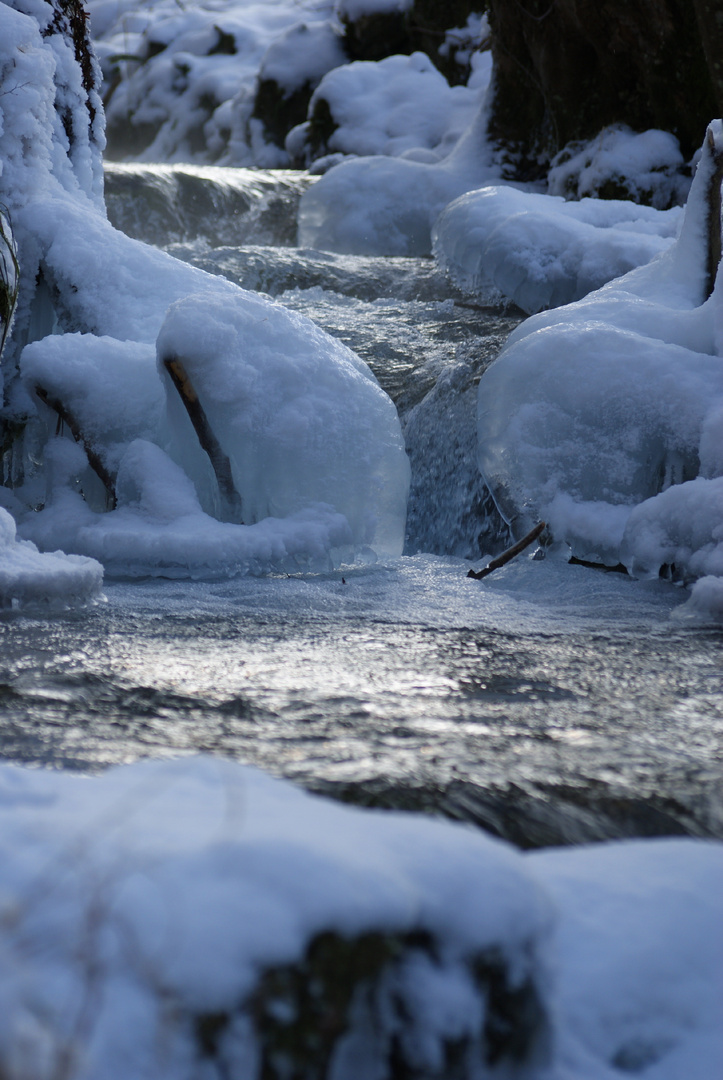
(551, 703)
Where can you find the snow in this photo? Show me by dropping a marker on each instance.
(541, 251)
(184, 880)
(646, 167)
(603, 417)
(400, 106)
(323, 431)
(638, 941)
(166, 889)
(387, 206)
(195, 73)
(29, 577)
(303, 54)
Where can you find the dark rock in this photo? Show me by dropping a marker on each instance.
(421, 28)
(565, 69)
(281, 104)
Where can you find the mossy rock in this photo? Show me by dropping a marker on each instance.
(309, 1017)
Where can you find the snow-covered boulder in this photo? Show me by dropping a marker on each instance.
(599, 407)
(539, 250)
(172, 919)
(196, 918)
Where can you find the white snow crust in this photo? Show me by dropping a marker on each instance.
(160, 891)
(603, 417)
(541, 251)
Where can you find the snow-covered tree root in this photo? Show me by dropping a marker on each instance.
(604, 417)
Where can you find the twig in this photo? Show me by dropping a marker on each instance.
(206, 437)
(94, 459)
(509, 554)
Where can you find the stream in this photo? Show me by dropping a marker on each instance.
(549, 704)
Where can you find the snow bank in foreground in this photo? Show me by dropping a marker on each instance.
(200, 904)
(282, 428)
(615, 401)
(29, 577)
(178, 918)
(541, 251)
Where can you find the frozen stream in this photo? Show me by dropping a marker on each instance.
(550, 703)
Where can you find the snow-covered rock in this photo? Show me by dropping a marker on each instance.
(184, 918)
(603, 417)
(541, 251)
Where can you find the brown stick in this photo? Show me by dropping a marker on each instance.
(206, 437)
(93, 457)
(509, 554)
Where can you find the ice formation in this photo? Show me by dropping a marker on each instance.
(541, 251)
(171, 918)
(603, 417)
(301, 421)
(29, 577)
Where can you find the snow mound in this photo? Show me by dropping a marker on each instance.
(29, 578)
(620, 164)
(387, 205)
(198, 889)
(542, 252)
(400, 106)
(278, 421)
(183, 917)
(614, 403)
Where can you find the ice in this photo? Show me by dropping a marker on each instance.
(615, 401)
(388, 206)
(29, 577)
(542, 252)
(301, 419)
(143, 902)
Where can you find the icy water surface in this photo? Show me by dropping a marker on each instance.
(550, 703)
(556, 704)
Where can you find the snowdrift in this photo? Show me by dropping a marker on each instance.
(603, 417)
(193, 917)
